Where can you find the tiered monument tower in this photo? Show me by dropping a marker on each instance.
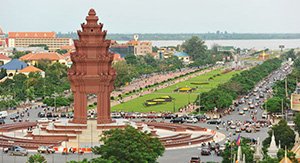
(91, 72)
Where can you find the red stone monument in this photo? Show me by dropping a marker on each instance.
(91, 72)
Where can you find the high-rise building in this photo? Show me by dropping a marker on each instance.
(26, 39)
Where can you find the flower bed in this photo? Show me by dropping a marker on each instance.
(185, 89)
(158, 101)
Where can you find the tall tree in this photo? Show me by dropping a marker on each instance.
(195, 47)
(129, 145)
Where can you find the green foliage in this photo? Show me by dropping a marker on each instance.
(18, 54)
(136, 66)
(58, 101)
(129, 145)
(222, 96)
(61, 51)
(232, 148)
(196, 48)
(37, 158)
(282, 133)
(297, 122)
(40, 45)
(3, 73)
(273, 105)
(291, 155)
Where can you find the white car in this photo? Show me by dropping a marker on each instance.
(245, 109)
(291, 124)
(191, 120)
(264, 115)
(233, 126)
(241, 112)
(43, 120)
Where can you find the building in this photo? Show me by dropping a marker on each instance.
(184, 57)
(263, 56)
(122, 49)
(31, 69)
(52, 57)
(2, 38)
(25, 39)
(8, 51)
(140, 47)
(165, 52)
(4, 59)
(13, 67)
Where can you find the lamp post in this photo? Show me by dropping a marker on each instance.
(199, 103)
(174, 106)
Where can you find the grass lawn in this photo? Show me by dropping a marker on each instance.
(180, 98)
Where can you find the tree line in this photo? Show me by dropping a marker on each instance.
(240, 84)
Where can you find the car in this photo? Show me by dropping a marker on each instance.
(195, 160)
(291, 124)
(241, 112)
(251, 106)
(246, 97)
(248, 129)
(245, 109)
(45, 149)
(261, 96)
(278, 115)
(205, 152)
(41, 115)
(43, 120)
(177, 120)
(243, 128)
(191, 120)
(264, 115)
(232, 126)
(214, 122)
(215, 117)
(256, 98)
(2, 121)
(238, 130)
(63, 115)
(16, 151)
(116, 115)
(212, 146)
(169, 116)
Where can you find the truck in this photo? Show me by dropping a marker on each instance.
(3, 114)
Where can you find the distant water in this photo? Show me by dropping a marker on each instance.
(256, 44)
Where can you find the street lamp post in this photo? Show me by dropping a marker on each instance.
(174, 106)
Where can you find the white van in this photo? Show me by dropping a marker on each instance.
(3, 114)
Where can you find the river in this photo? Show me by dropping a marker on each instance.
(256, 44)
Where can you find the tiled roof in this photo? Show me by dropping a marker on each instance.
(68, 47)
(117, 57)
(4, 57)
(30, 69)
(14, 64)
(31, 34)
(52, 56)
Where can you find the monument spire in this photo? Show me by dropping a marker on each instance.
(91, 72)
(272, 150)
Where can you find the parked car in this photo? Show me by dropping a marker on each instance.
(245, 109)
(232, 126)
(205, 152)
(41, 115)
(195, 160)
(214, 122)
(248, 129)
(241, 112)
(177, 120)
(2, 121)
(191, 120)
(16, 151)
(43, 120)
(45, 149)
(238, 130)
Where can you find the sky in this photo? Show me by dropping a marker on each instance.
(154, 16)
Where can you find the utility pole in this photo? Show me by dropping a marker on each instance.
(286, 93)
(199, 103)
